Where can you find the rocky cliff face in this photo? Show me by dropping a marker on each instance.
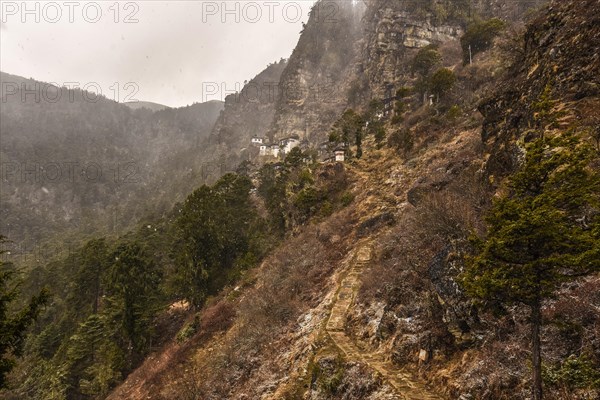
(246, 114)
(392, 30)
(346, 49)
(350, 52)
(315, 84)
(249, 112)
(558, 59)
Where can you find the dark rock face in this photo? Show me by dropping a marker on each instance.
(561, 52)
(250, 112)
(315, 84)
(393, 30)
(459, 313)
(375, 223)
(245, 115)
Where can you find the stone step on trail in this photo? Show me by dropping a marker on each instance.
(405, 385)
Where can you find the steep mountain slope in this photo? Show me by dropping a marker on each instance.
(559, 63)
(282, 344)
(474, 355)
(360, 295)
(321, 319)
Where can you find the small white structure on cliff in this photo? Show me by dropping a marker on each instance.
(280, 148)
(275, 150)
(287, 144)
(264, 149)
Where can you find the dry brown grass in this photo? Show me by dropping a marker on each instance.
(217, 318)
(291, 280)
(400, 268)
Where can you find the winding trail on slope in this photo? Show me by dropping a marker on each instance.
(404, 383)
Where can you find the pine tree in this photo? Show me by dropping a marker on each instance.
(479, 37)
(441, 82)
(272, 188)
(425, 60)
(214, 228)
(13, 325)
(545, 232)
(94, 258)
(132, 295)
(347, 129)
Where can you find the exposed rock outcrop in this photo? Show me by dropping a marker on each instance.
(315, 83)
(350, 52)
(245, 115)
(561, 56)
(392, 31)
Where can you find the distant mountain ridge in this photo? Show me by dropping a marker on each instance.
(72, 164)
(136, 105)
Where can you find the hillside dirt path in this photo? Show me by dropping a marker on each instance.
(406, 386)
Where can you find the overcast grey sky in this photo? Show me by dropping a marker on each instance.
(169, 50)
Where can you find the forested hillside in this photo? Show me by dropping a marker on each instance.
(85, 163)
